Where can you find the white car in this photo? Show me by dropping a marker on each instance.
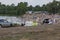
(5, 23)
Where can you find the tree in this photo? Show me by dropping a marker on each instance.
(53, 7)
(44, 7)
(30, 8)
(21, 8)
(37, 8)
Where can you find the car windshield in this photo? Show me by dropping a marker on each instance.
(3, 20)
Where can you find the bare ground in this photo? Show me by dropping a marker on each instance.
(43, 32)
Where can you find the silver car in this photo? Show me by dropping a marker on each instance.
(5, 23)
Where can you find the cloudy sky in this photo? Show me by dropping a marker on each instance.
(30, 2)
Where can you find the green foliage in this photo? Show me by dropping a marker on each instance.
(22, 7)
(37, 8)
(30, 8)
(13, 10)
(53, 7)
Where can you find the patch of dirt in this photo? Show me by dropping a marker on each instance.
(43, 32)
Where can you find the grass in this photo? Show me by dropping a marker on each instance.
(49, 32)
(24, 36)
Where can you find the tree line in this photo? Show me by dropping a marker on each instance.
(22, 7)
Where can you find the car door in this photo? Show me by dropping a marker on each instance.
(6, 23)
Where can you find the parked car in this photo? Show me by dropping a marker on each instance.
(16, 21)
(46, 21)
(5, 23)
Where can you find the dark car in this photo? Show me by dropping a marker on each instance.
(46, 21)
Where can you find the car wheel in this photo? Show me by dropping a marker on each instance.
(11, 25)
(0, 26)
